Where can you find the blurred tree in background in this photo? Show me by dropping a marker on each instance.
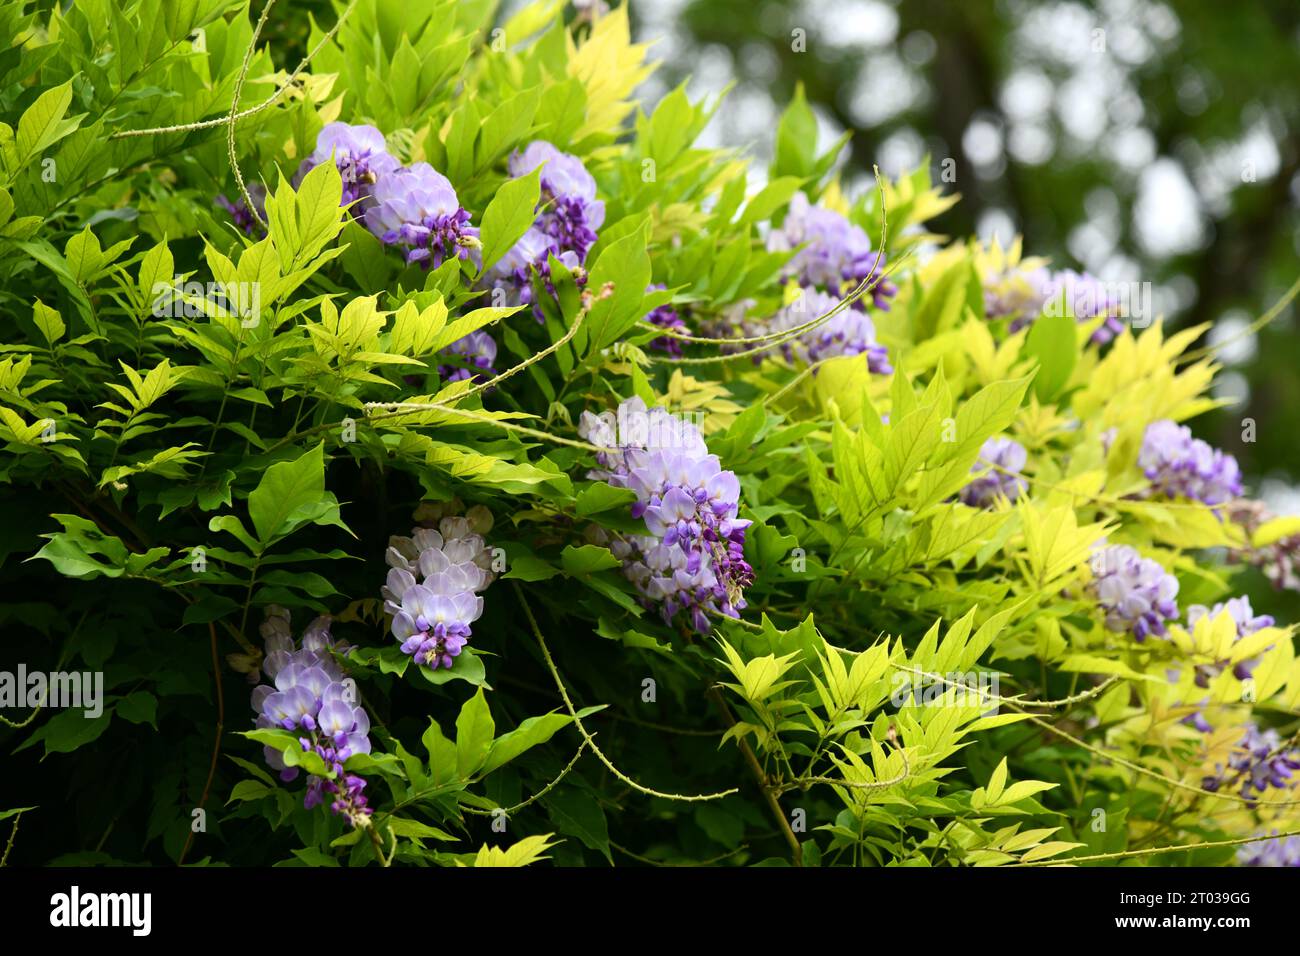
(1141, 141)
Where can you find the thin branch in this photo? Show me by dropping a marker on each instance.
(508, 811)
(234, 110)
(251, 111)
(600, 755)
(216, 743)
(1015, 701)
(1157, 849)
(760, 778)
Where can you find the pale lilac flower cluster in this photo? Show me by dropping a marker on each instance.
(477, 350)
(1279, 561)
(735, 322)
(1260, 761)
(1004, 458)
(568, 215)
(1180, 466)
(311, 696)
(1015, 293)
(692, 560)
(1247, 621)
(360, 154)
(835, 256)
(435, 576)
(416, 209)
(847, 332)
(1022, 294)
(1279, 851)
(1087, 297)
(1136, 593)
(666, 317)
(568, 210)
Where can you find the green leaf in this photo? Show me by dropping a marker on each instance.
(140, 707)
(580, 814)
(291, 494)
(529, 567)
(796, 138)
(626, 265)
(770, 198)
(997, 781)
(415, 830)
(1052, 340)
(599, 497)
(80, 549)
(530, 733)
(467, 666)
(474, 731)
(232, 525)
(579, 560)
(43, 123)
(156, 270)
(70, 730)
(48, 321)
(508, 216)
(442, 754)
(248, 790)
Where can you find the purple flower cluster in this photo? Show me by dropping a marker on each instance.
(568, 210)
(432, 591)
(692, 559)
(835, 256)
(478, 349)
(244, 219)
(1136, 593)
(360, 154)
(666, 317)
(1279, 851)
(1180, 466)
(568, 215)
(1004, 457)
(310, 695)
(415, 208)
(1259, 761)
(1022, 294)
(847, 332)
(1087, 298)
(1279, 561)
(1015, 293)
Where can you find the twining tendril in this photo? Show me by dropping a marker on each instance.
(1151, 851)
(1014, 701)
(1249, 330)
(253, 110)
(804, 782)
(234, 110)
(13, 833)
(600, 755)
(1147, 772)
(510, 811)
(773, 339)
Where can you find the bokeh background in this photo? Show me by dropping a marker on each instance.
(1140, 141)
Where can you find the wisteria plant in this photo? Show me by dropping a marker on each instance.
(445, 462)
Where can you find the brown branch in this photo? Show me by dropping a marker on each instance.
(760, 778)
(216, 743)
